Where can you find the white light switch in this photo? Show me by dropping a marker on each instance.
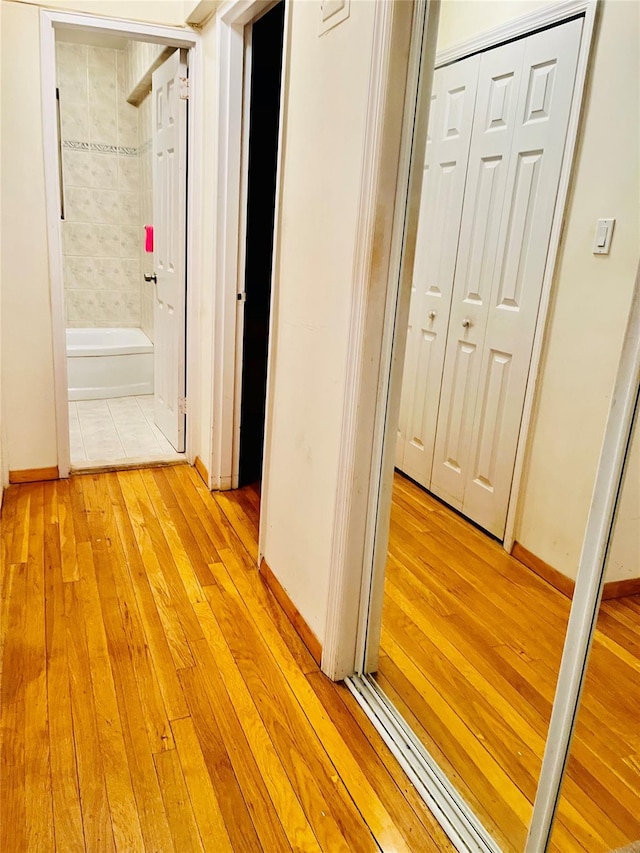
(602, 240)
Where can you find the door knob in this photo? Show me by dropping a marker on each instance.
(150, 277)
(466, 323)
(432, 315)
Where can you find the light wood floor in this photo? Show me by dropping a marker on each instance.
(155, 697)
(471, 646)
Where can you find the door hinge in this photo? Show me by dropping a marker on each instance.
(184, 88)
(182, 406)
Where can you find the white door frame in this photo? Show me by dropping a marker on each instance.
(231, 19)
(173, 37)
(358, 542)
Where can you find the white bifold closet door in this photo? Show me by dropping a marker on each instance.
(472, 420)
(443, 184)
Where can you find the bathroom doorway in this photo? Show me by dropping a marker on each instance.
(122, 119)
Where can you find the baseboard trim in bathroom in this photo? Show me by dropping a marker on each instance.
(34, 475)
(102, 467)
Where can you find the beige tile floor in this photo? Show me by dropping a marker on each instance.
(120, 429)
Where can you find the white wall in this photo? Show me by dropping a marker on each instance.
(27, 358)
(169, 12)
(591, 294)
(323, 143)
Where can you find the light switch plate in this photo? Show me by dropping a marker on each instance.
(332, 13)
(602, 239)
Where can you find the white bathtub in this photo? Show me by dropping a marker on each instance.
(104, 363)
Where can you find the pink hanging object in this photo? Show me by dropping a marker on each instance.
(148, 240)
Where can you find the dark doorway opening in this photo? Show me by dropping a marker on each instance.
(264, 117)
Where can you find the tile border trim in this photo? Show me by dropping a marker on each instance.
(75, 145)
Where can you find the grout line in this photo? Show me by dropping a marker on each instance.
(104, 422)
(115, 422)
(74, 406)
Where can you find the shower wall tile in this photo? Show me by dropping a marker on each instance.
(129, 208)
(79, 272)
(128, 173)
(105, 207)
(104, 171)
(72, 66)
(76, 168)
(130, 239)
(74, 121)
(103, 123)
(102, 231)
(78, 204)
(127, 124)
(78, 239)
(107, 240)
(132, 274)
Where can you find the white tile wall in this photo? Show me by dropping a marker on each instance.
(102, 232)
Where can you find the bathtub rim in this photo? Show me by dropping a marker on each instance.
(107, 341)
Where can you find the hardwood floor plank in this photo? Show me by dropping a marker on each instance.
(189, 529)
(12, 717)
(242, 520)
(67, 533)
(206, 808)
(281, 791)
(243, 760)
(96, 817)
(67, 811)
(136, 804)
(463, 617)
(38, 795)
(171, 623)
(116, 585)
(8, 515)
(208, 507)
(283, 680)
(302, 757)
(156, 638)
(420, 830)
(158, 542)
(234, 809)
(177, 804)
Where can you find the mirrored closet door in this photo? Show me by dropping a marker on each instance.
(495, 460)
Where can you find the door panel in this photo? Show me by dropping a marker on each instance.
(443, 188)
(544, 103)
(519, 128)
(169, 117)
(500, 73)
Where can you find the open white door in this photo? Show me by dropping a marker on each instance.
(169, 213)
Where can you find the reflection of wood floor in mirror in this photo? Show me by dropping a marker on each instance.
(470, 651)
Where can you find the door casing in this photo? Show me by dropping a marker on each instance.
(171, 36)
